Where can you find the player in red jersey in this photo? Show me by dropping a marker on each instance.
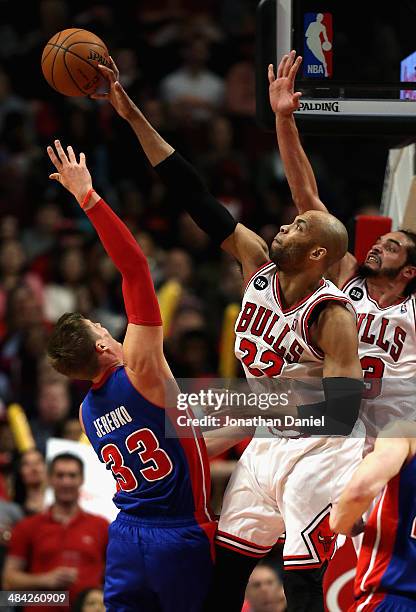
(386, 574)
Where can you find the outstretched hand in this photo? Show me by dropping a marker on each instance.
(283, 99)
(116, 95)
(73, 175)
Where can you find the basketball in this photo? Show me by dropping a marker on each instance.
(326, 46)
(70, 59)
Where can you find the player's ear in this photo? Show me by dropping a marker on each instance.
(318, 253)
(409, 272)
(100, 346)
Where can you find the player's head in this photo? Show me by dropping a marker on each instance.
(314, 241)
(319, 17)
(265, 591)
(393, 257)
(79, 348)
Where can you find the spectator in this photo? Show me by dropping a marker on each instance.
(53, 407)
(61, 296)
(193, 91)
(62, 548)
(10, 514)
(41, 237)
(31, 484)
(90, 600)
(264, 591)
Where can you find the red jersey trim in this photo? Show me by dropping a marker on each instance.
(374, 301)
(250, 280)
(306, 316)
(240, 551)
(349, 280)
(242, 541)
(105, 377)
(276, 293)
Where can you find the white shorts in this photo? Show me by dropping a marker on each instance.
(287, 485)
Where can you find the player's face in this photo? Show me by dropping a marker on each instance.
(387, 256)
(291, 246)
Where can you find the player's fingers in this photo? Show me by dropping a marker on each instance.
(71, 154)
(61, 153)
(270, 74)
(100, 96)
(294, 70)
(114, 68)
(54, 159)
(281, 66)
(82, 159)
(55, 176)
(296, 97)
(289, 63)
(107, 73)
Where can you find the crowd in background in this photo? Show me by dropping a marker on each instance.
(189, 65)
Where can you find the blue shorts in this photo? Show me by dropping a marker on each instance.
(157, 566)
(396, 603)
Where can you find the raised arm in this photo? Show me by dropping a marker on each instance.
(390, 452)
(299, 173)
(284, 101)
(181, 179)
(144, 321)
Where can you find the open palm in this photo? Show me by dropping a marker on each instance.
(283, 99)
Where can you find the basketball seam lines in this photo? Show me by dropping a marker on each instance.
(65, 50)
(86, 42)
(54, 59)
(50, 50)
(69, 72)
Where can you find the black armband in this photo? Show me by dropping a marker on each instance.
(340, 409)
(192, 195)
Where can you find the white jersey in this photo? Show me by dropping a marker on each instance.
(387, 350)
(386, 335)
(273, 341)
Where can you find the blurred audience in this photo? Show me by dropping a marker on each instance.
(90, 600)
(31, 483)
(62, 548)
(264, 591)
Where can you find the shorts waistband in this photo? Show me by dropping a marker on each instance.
(162, 521)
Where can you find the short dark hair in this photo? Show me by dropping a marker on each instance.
(411, 259)
(71, 347)
(66, 457)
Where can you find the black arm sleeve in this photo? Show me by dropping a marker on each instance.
(340, 408)
(192, 195)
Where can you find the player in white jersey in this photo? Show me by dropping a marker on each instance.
(382, 289)
(295, 479)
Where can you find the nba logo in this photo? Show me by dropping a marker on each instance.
(317, 53)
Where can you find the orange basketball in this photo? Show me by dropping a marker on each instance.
(70, 59)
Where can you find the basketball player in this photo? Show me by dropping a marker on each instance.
(385, 579)
(159, 556)
(381, 289)
(289, 326)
